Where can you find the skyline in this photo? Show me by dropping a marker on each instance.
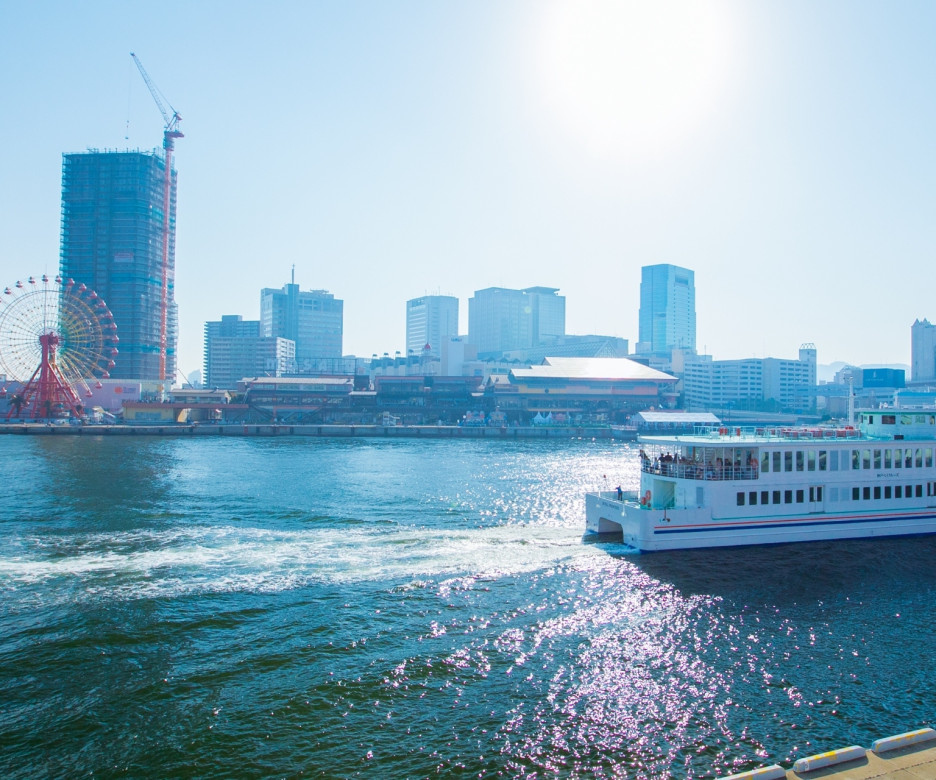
(780, 151)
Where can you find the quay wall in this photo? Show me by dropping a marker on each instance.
(338, 431)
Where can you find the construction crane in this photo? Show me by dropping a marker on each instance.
(170, 133)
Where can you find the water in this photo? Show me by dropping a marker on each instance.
(406, 609)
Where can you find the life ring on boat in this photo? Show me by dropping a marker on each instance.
(645, 501)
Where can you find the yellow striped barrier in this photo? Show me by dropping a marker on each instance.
(902, 740)
(831, 758)
(772, 772)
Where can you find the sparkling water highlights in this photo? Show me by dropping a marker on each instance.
(303, 607)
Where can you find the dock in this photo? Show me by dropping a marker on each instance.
(330, 431)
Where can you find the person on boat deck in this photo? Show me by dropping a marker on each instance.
(620, 493)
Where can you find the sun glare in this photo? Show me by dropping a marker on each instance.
(632, 80)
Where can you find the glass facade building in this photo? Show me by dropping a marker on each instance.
(667, 310)
(314, 320)
(500, 319)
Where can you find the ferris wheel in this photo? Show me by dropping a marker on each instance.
(57, 337)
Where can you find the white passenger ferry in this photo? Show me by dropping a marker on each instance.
(727, 486)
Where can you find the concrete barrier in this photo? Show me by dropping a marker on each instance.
(902, 740)
(772, 772)
(833, 757)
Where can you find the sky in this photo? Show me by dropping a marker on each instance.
(783, 150)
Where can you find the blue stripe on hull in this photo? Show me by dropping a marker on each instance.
(792, 524)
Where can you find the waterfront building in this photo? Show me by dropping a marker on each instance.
(922, 351)
(751, 384)
(112, 241)
(313, 320)
(234, 349)
(581, 391)
(667, 318)
(501, 319)
(431, 319)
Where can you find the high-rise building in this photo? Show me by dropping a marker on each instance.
(667, 310)
(432, 320)
(314, 320)
(500, 319)
(112, 241)
(234, 349)
(922, 351)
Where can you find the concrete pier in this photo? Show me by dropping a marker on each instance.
(909, 756)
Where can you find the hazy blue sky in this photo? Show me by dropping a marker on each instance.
(782, 150)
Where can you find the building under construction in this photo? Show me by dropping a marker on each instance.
(119, 241)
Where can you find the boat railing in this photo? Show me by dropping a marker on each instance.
(694, 470)
(776, 432)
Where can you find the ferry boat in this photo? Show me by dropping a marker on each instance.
(727, 486)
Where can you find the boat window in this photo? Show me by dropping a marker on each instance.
(765, 461)
(908, 459)
(811, 460)
(788, 461)
(887, 459)
(799, 460)
(776, 461)
(856, 459)
(919, 458)
(877, 459)
(866, 493)
(752, 497)
(888, 419)
(919, 492)
(856, 493)
(898, 458)
(887, 491)
(877, 491)
(741, 499)
(833, 494)
(800, 496)
(787, 496)
(765, 496)
(908, 491)
(898, 491)
(822, 460)
(819, 493)
(921, 418)
(906, 419)
(866, 459)
(833, 460)
(928, 454)
(776, 497)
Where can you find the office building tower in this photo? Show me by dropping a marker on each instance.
(500, 320)
(313, 320)
(112, 241)
(667, 310)
(922, 351)
(432, 320)
(234, 349)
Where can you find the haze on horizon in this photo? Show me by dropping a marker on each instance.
(781, 150)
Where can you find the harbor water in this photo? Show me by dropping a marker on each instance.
(306, 607)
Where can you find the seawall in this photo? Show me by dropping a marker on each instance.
(335, 431)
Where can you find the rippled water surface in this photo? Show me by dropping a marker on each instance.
(404, 609)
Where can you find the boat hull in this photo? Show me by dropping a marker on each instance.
(654, 529)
